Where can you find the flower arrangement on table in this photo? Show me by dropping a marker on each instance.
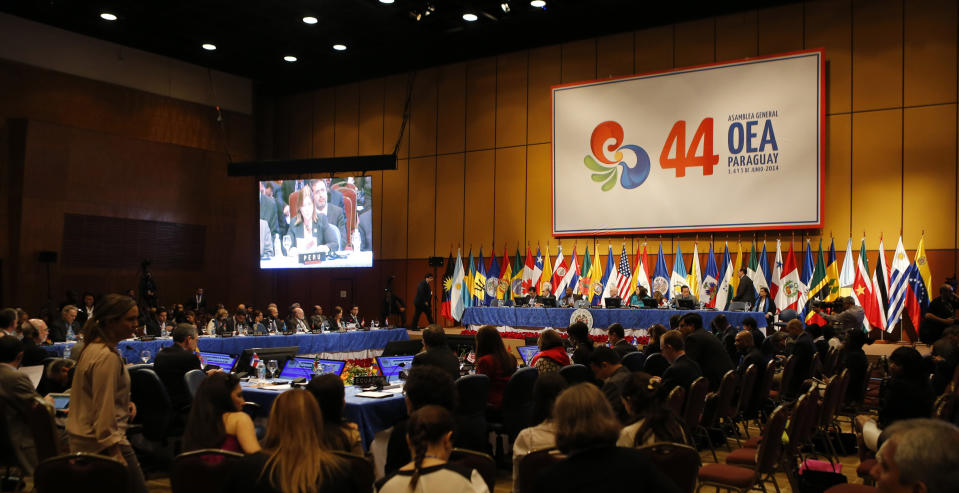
(358, 367)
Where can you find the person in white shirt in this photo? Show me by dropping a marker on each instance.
(543, 435)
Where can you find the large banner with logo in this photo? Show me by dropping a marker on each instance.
(729, 146)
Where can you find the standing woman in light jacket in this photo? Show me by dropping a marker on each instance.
(100, 407)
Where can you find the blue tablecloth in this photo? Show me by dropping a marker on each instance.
(334, 342)
(372, 415)
(630, 318)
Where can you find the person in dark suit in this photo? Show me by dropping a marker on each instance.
(745, 293)
(173, 362)
(65, 325)
(158, 326)
(297, 321)
(568, 298)
(750, 325)
(423, 302)
(436, 352)
(749, 353)
(354, 317)
(366, 230)
(34, 333)
(16, 392)
(617, 340)
(239, 324)
(86, 311)
(803, 349)
(334, 213)
(197, 302)
(310, 230)
(392, 305)
(608, 368)
(682, 370)
(268, 207)
(705, 349)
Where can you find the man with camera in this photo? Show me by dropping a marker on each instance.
(850, 317)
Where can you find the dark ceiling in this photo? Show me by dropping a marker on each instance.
(253, 36)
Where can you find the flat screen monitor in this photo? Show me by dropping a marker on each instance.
(650, 303)
(226, 362)
(315, 223)
(520, 300)
(546, 301)
(685, 304)
(527, 353)
(391, 366)
(461, 344)
(60, 401)
(613, 302)
(303, 367)
(280, 354)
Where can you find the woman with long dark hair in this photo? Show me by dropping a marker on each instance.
(294, 458)
(645, 401)
(580, 341)
(429, 435)
(906, 394)
(216, 417)
(338, 434)
(494, 361)
(100, 407)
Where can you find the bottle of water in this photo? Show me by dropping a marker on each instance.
(261, 371)
(70, 335)
(67, 351)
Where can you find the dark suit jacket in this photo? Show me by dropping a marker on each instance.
(745, 292)
(424, 295)
(569, 475)
(82, 316)
(803, 350)
(33, 355)
(16, 391)
(623, 348)
(192, 304)
(753, 357)
(366, 231)
(441, 357)
(292, 324)
(681, 373)
(322, 231)
(707, 350)
(58, 330)
(337, 218)
(350, 319)
(170, 365)
(268, 213)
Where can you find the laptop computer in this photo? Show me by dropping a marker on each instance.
(223, 360)
(527, 353)
(613, 302)
(650, 303)
(391, 366)
(685, 304)
(303, 367)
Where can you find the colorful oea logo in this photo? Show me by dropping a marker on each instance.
(605, 169)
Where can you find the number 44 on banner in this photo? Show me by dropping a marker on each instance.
(685, 159)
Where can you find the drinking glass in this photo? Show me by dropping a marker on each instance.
(145, 355)
(271, 368)
(287, 243)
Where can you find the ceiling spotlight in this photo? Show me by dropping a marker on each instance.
(209, 46)
(505, 7)
(290, 58)
(108, 16)
(540, 4)
(310, 20)
(386, 1)
(339, 47)
(470, 17)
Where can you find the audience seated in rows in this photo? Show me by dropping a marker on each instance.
(907, 394)
(437, 352)
(217, 419)
(682, 370)
(34, 333)
(705, 349)
(552, 353)
(748, 353)
(579, 340)
(645, 399)
(608, 369)
(542, 435)
(338, 434)
(802, 349)
(16, 393)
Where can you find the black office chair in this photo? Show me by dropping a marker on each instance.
(193, 379)
(202, 471)
(361, 470)
(154, 410)
(470, 415)
(575, 374)
(82, 473)
(483, 463)
(656, 364)
(634, 361)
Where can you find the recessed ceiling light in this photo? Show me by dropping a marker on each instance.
(290, 58)
(108, 16)
(339, 47)
(386, 1)
(209, 46)
(470, 17)
(505, 7)
(310, 19)
(538, 3)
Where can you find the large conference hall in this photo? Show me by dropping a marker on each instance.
(479, 246)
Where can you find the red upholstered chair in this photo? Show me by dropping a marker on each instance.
(743, 479)
(531, 465)
(675, 400)
(723, 413)
(678, 462)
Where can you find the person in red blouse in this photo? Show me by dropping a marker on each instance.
(494, 361)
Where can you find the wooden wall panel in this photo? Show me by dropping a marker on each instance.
(877, 54)
(480, 104)
(479, 197)
(654, 49)
(509, 222)
(346, 125)
(450, 180)
(378, 212)
(421, 228)
(395, 100)
(929, 189)
(579, 61)
(324, 122)
(836, 183)
(370, 130)
(614, 55)
(930, 52)
(511, 86)
(538, 204)
(876, 172)
(828, 25)
(736, 36)
(695, 43)
(545, 65)
(281, 141)
(423, 114)
(781, 29)
(451, 97)
(395, 192)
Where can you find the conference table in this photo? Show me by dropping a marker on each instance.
(370, 414)
(326, 343)
(629, 318)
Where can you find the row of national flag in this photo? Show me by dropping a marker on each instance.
(886, 294)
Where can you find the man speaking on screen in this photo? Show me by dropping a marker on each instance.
(333, 214)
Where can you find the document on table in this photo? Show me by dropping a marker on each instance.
(373, 394)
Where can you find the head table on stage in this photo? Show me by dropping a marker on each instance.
(629, 318)
(326, 343)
